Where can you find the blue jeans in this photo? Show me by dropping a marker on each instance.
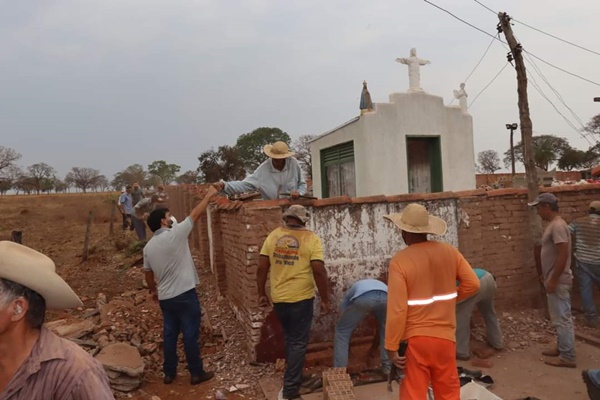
(559, 306)
(375, 302)
(181, 314)
(139, 225)
(586, 275)
(594, 375)
(296, 320)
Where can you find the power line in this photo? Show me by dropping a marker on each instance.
(486, 7)
(562, 69)
(488, 85)
(481, 59)
(556, 37)
(478, 63)
(533, 55)
(462, 20)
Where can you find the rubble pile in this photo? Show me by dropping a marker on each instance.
(125, 334)
(124, 366)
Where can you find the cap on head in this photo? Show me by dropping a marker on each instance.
(595, 206)
(297, 211)
(544, 198)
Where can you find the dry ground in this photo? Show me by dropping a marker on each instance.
(55, 225)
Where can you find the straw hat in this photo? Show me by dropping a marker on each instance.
(416, 219)
(278, 150)
(595, 206)
(36, 271)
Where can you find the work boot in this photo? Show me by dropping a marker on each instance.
(203, 377)
(561, 363)
(551, 353)
(168, 379)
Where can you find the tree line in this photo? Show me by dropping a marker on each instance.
(549, 150)
(42, 178)
(226, 162)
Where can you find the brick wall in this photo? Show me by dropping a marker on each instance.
(490, 228)
(489, 179)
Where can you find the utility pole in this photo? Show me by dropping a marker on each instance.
(516, 54)
(512, 128)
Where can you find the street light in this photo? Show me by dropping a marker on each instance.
(512, 128)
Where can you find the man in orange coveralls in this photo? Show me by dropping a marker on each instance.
(422, 296)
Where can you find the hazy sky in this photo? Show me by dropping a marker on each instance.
(109, 83)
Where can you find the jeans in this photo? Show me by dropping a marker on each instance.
(127, 222)
(296, 320)
(484, 300)
(586, 275)
(559, 306)
(374, 301)
(181, 314)
(140, 227)
(594, 375)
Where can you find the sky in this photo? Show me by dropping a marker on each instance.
(106, 84)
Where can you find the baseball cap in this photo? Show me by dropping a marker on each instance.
(547, 198)
(297, 211)
(595, 206)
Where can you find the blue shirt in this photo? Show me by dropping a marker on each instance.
(126, 201)
(361, 287)
(269, 181)
(479, 272)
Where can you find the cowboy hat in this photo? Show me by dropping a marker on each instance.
(416, 219)
(278, 150)
(36, 271)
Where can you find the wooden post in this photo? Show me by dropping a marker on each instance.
(526, 138)
(88, 232)
(113, 211)
(17, 237)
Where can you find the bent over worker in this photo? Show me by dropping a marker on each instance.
(422, 297)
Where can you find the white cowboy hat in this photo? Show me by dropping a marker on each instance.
(278, 150)
(36, 271)
(416, 219)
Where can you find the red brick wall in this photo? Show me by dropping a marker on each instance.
(489, 179)
(493, 233)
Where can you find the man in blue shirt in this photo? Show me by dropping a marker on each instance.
(279, 174)
(126, 207)
(367, 296)
(484, 300)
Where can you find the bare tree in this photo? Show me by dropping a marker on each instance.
(489, 161)
(83, 178)
(7, 157)
(302, 148)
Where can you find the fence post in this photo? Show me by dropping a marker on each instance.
(88, 232)
(113, 208)
(17, 236)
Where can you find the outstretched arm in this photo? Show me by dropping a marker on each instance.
(424, 62)
(403, 60)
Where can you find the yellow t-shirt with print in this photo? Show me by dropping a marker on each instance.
(290, 252)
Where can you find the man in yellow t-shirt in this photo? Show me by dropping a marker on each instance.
(292, 257)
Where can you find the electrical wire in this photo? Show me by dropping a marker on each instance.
(533, 55)
(478, 63)
(488, 85)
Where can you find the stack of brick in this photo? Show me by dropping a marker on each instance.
(337, 385)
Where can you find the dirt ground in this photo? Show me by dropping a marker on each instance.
(55, 225)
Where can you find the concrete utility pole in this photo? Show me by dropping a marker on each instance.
(512, 128)
(526, 138)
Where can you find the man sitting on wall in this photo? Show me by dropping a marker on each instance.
(279, 174)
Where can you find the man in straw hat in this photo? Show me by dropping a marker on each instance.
(34, 362)
(292, 258)
(422, 296)
(280, 174)
(553, 260)
(587, 251)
